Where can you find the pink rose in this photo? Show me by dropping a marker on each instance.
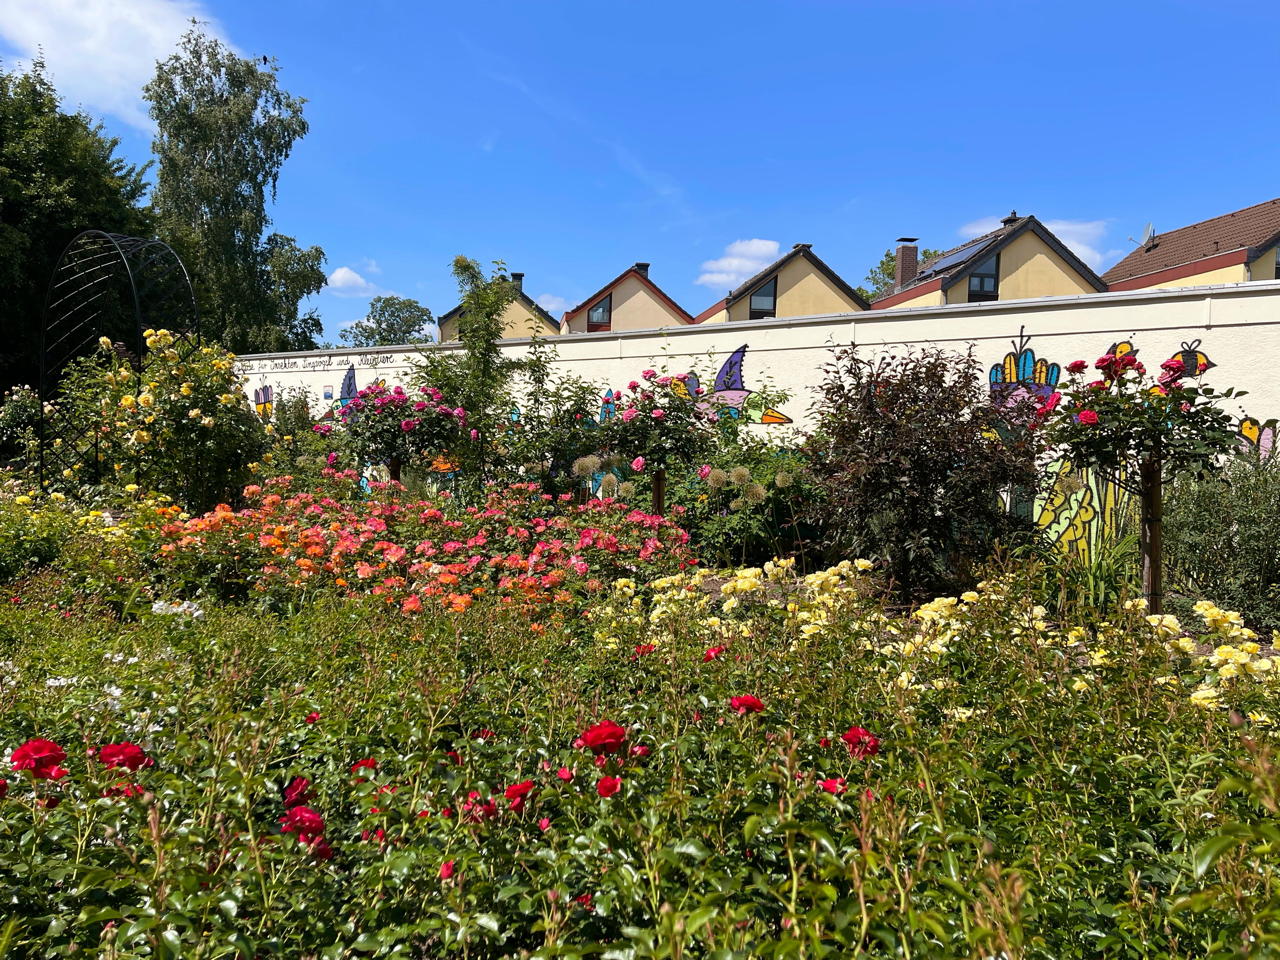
(1077, 366)
(658, 414)
(648, 374)
(704, 471)
(1088, 417)
(633, 386)
(629, 414)
(637, 464)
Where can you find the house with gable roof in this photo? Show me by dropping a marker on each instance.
(1022, 258)
(797, 284)
(523, 317)
(630, 301)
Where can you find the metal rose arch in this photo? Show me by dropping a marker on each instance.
(104, 285)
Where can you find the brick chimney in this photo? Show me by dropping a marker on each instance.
(642, 269)
(908, 262)
(517, 280)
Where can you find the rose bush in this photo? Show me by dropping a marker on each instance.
(753, 762)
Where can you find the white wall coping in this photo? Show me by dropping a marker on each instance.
(854, 319)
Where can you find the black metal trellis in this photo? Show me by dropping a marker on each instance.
(104, 285)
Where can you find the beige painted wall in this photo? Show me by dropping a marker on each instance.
(1238, 326)
(517, 321)
(635, 307)
(802, 291)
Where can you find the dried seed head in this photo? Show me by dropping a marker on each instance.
(717, 479)
(739, 476)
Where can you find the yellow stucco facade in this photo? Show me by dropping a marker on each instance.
(635, 307)
(517, 321)
(803, 291)
(1234, 273)
(932, 298)
(1264, 267)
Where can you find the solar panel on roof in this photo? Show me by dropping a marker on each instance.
(961, 255)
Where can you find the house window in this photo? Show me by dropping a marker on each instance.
(600, 316)
(764, 300)
(984, 281)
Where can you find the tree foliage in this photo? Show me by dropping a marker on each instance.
(224, 129)
(59, 174)
(880, 278)
(913, 456)
(391, 321)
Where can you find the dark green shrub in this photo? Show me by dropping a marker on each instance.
(913, 457)
(1222, 540)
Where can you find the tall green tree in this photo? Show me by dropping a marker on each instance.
(880, 278)
(224, 128)
(391, 321)
(59, 174)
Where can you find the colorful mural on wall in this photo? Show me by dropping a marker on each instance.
(1079, 510)
(730, 395)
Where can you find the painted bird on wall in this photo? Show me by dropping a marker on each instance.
(729, 395)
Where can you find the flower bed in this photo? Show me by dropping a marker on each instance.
(773, 765)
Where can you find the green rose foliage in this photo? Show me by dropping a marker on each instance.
(176, 422)
(660, 420)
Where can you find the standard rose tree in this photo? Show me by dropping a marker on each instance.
(1141, 432)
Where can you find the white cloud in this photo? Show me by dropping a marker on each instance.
(369, 265)
(345, 282)
(552, 304)
(742, 259)
(100, 53)
(976, 228)
(1085, 238)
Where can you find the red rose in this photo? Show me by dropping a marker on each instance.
(644, 649)
(366, 764)
(746, 704)
(640, 750)
(834, 785)
(482, 734)
(604, 737)
(297, 793)
(1077, 366)
(313, 716)
(446, 870)
(544, 824)
(712, 653)
(124, 789)
(862, 742)
(41, 757)
(303, 821)
(565, 774)
(1087, 417)
(517, 793)
(1105, 362)
(585, 901)
(1127, 362)
(320, 849)
(128, 755)
(608, 786)
(4, 789)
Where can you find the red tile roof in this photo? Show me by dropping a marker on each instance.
(1255, 228)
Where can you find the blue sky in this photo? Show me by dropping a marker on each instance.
(572, 139)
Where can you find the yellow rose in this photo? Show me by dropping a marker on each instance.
(146, 400)
(23, 500)
(128, 402)
(185, 389)
(104, 343)
(207, 422)
(130, 488)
